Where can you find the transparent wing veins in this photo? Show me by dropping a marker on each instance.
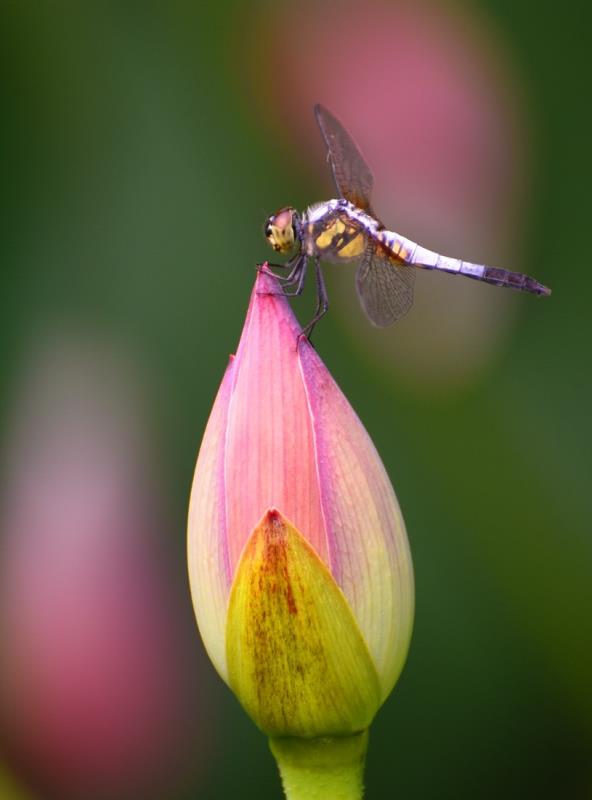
(352, 175)
(385, 286)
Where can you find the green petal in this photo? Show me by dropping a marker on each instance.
(296, 658)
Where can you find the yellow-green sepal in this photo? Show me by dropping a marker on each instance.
(296, 658)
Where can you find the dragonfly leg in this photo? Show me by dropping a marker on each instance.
(322, 302)
(298, 279)
(295, 278)
(292, 264)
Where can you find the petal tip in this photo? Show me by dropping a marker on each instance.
(268, 302)
(266, 282)
(273, 516)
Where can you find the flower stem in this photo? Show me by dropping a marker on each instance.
(322, 769)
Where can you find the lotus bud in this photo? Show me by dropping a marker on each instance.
(299, 565)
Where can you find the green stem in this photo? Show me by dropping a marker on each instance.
(322, 769)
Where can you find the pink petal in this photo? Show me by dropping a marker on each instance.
(269, 459)
(207, 549)
(371, 561)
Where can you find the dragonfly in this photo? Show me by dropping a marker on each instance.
(346, 229)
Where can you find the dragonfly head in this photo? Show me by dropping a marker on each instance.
(282, 229)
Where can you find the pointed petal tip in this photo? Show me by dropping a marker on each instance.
(268, 299)
(265, 282)
(275, 526)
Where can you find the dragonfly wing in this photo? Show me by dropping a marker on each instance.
(352, 176)
(385, 286)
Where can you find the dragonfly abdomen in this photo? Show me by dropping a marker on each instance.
(502, 277)
(515, 280)
(427, 259)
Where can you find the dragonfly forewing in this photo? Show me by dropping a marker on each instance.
(352, 175)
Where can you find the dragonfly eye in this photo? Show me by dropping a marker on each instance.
(279, 230)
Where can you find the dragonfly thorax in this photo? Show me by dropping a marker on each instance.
(336, 230)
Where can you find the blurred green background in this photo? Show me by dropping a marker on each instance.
(142, 146)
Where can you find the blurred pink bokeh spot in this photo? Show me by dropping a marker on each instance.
(428, 93)
(96, 698)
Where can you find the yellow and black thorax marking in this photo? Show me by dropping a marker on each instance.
(335, 237)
